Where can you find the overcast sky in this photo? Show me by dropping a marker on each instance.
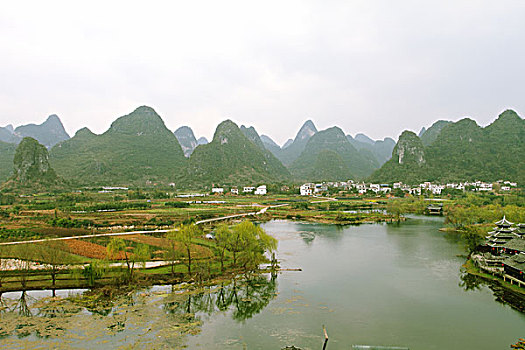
(376, 67)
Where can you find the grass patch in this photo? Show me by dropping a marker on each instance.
(472, 269)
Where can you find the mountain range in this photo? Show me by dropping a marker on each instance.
(7, 154)
(235, 156)
(329, 155)
(49, 133)
(139, 149)
(460, 151)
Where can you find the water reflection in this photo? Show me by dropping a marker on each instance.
(308, 237)
(470, 282)
(245, 298)
(21, 307)
(143, 317)
(455, 238)
(309, 232)
(501, 295)
(252, 298)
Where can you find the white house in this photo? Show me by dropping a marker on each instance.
(306, 190)
(234, 190)
(217, 190)
(426, 185)
(385, 188)
(415, 191)
(436, 189)
(320, 188)
(485, 187)
(361, 187)
(261, 190)
(248, 189)
(375, 187)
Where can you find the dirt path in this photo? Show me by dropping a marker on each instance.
(262, 211)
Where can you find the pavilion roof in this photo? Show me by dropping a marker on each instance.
(504, 235)
(504, 222)
(496, 244)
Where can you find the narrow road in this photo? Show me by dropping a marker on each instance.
(84, 236)
(14, 264)
(262, 211)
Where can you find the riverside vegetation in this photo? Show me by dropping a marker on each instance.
(182, 248)
(237, 246)
(212, 266)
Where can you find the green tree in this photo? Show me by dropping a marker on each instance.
(3, 267)
(22, 264)
(53, 254)
(185, 235)
(94, 271)
(251, 242)
(459, 216)
(237, 242)
(474, 238)
(115, 248)
(172, 253)
(398, 193)
(395, 208)
(141, 255)
(223, 237)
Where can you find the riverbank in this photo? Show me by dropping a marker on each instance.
(413, 272)
(504, 291)
(184, 254)
(77, 279)
(335, 217)
(207, 266)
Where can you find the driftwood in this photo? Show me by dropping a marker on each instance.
(324, 344)
(325, 338)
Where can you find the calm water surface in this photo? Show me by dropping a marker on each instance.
(370, 284)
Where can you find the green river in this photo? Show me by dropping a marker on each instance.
(377, 284)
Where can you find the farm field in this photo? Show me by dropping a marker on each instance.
(82, 214)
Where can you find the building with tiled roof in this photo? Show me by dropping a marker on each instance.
(520, 231)
(515, 246)
(514, 268)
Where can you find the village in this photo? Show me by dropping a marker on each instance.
(433, 188)
(311, 188)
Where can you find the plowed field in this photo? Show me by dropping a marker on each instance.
(164, 243)
(87, 249)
